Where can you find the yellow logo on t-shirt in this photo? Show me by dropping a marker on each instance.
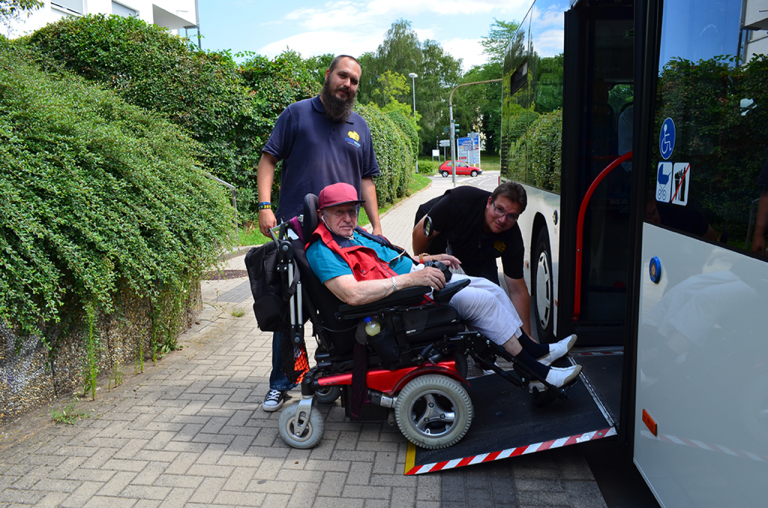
(354, 135)
(500, 246)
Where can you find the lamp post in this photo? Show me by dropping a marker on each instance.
(413, 77)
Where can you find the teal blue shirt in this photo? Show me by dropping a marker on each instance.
(327, 264)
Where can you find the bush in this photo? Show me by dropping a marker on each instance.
(536, 158)
(393, 153)
(231, 110)
(100, 195)
(428, 167)
(406, 124)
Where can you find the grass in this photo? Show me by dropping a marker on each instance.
(68, 415)
(250, 234)
(238, 312)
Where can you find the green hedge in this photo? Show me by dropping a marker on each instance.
(406, 125)
(393, 153)
(230, 109)
(99, 194)
(536, 157)
(428, 167)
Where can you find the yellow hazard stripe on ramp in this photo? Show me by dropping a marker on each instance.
(410, 457)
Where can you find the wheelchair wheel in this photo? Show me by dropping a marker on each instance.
(327, 394)
(433, 411)
(311, 435)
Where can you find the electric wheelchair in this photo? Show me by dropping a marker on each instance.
(416, 380)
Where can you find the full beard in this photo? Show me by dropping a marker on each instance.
(335, 108)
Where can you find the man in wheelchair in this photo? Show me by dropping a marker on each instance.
(360, 268)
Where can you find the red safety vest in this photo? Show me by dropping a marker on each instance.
(363, 261)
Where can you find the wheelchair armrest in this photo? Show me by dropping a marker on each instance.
(407, 296)
(445, 294)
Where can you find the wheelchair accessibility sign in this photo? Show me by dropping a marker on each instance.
(673, 182)
(667, 138)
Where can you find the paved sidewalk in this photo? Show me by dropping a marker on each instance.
(189, 431)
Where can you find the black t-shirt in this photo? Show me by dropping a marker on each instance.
(458, 215)
(762, 180)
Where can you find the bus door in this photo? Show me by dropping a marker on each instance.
(701, 162)
(597, 129)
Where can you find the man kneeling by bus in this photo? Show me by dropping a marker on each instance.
(360, 268)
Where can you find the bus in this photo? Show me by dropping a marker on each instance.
(639, 129)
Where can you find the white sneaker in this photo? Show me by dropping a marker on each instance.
(273, 401)
(559, 377)
(558, 350)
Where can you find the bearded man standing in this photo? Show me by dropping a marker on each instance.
(321, 141)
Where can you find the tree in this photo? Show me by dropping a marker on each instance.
(440, 73)
(11, 10)
(480, 105)
(317, 65)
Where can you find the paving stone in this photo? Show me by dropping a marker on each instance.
(117, 483)
(145, 492)
(112, 502)
(208, 490)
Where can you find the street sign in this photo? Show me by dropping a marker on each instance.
(445, 142)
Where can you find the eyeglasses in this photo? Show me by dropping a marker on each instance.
(500, 212)
(341, 213)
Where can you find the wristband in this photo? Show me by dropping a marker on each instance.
(394, 285)
(265, 205)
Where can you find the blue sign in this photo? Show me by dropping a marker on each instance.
(667, 138)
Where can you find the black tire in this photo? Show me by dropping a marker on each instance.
(542, 294)
(445, 174)
(473, 173)
(433, 411)
(312, 434)
(327, 394)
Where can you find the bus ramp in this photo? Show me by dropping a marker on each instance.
(507, 424)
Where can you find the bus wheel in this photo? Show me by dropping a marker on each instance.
(542, 290)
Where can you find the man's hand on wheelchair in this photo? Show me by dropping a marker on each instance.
(267, 221)
(427, 276)
(446, 259)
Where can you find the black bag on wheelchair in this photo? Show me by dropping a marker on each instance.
(269, 294)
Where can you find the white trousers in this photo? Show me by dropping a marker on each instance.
(486, 308)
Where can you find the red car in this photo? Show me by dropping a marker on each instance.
(461, 169)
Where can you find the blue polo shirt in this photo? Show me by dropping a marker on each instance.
(328, 265)
(316, 152)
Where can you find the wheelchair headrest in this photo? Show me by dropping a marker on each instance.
(310, 216)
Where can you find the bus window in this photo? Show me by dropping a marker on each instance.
(533, 99)
(711, 123)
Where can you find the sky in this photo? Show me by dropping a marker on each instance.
(268, 27)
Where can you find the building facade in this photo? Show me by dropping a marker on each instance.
(178, 16)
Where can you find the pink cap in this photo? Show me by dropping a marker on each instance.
(338, 194)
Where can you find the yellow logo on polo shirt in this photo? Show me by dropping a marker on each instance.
(353, 138)
(500, 246)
